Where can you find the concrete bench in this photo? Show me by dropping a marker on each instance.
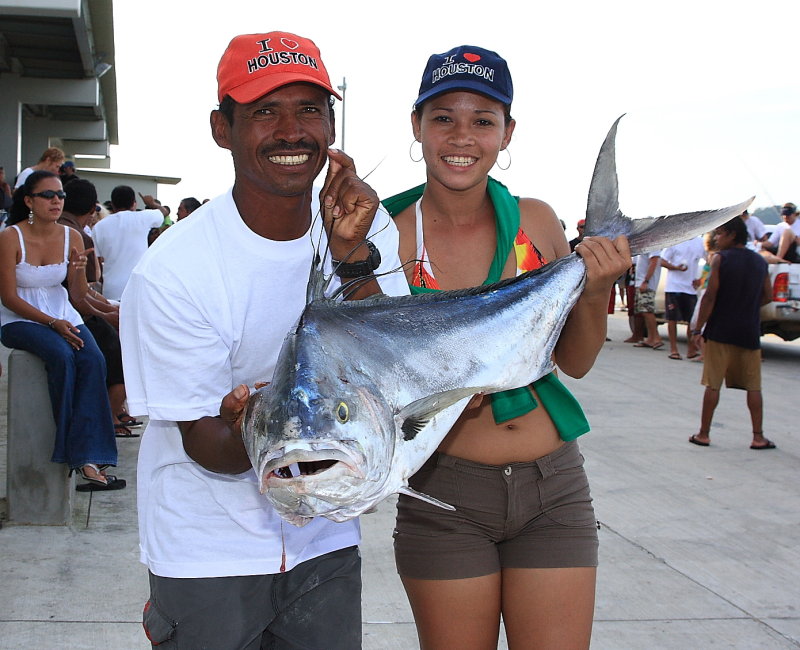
(39, 492)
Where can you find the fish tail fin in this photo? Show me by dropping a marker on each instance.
(605, 219)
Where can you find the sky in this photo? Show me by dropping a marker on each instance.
(710, 91)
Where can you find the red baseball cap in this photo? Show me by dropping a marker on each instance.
(256, 64)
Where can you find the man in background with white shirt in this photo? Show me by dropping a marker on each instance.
(680, 293)
(120, 239)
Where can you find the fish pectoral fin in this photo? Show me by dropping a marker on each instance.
(417, 414)
(424, 497)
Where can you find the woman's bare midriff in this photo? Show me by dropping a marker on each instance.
(476, 437)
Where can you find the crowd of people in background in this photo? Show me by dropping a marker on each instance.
(716, 285)
(65, 259)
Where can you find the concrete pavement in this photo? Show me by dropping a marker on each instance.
(698, 545)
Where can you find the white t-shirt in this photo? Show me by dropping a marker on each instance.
(207, 309)
(688, 253)
(121, 240)
(755, 228)
(23, 176)
(642, 262)
(775, 237)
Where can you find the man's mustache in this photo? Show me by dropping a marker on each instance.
(288, 147)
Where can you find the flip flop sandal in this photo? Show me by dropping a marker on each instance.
(129, 421)
(93, 480)
(121, 431)
(116, 484)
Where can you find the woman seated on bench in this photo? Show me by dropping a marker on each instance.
(36, 255)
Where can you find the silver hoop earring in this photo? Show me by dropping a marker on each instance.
(410, 153)
(508, 153)
(30, 217)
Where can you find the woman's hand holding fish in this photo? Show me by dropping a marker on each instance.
(605, 261)
(349, 206)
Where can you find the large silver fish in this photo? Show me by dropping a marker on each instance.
(364, 391)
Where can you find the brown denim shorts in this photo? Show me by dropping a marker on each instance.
(536, 514)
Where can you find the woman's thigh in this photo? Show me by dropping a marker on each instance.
(37, 339)
(456, 613)
(548, 608)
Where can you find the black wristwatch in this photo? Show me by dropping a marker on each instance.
(361, 268)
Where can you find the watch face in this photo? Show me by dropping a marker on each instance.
(374, 258)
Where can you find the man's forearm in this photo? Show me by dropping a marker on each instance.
(216, 444)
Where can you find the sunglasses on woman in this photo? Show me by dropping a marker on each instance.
(49, 194)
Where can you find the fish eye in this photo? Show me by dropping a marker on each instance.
(342, 412)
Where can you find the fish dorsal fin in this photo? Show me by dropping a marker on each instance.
(416, 415)
(424, 497)
(317, 281)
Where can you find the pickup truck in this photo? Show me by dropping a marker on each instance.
(781, 316)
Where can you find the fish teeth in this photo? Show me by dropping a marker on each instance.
(298, 159)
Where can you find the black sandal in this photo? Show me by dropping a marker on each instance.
(92, 479)
(113, 483)
(129, 421)
(121, 431)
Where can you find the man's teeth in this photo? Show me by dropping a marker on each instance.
(289, 160)
(460, 161)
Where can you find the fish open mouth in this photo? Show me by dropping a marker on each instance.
(309, 462)
(303, 469)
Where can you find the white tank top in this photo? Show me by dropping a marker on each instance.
(41, 287)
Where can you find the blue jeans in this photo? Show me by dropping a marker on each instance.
(76, 380)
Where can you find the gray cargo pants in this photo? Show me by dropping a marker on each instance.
(315, 606)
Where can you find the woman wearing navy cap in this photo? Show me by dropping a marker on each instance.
(522, 541)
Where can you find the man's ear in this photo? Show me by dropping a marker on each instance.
(220, 129)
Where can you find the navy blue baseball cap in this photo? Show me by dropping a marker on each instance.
(467, 67)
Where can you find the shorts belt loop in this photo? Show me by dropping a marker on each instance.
(545, 467)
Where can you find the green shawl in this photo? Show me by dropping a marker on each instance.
(561, 405)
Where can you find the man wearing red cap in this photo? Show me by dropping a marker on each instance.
(581, 228)
(203, 319)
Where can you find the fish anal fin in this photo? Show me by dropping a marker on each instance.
(416, 415)
(424, 497)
